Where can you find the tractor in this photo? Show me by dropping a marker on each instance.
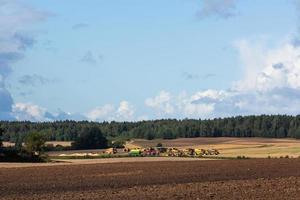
(111, 151)
(135, 152)
(150, 152)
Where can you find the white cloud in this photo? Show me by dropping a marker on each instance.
(125, 111)
(101, 113)
(201, 104)
(271, 82)
(209, 95)
(268, 69)
(31, 112)
(108, 112)
(28, 111)
(197, 110)
(270, 85)
(161, 103)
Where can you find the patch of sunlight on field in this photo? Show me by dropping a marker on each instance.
(263, 152)
(61, 143)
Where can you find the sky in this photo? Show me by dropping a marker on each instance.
(131, 60)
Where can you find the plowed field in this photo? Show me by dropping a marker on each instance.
(219, 179)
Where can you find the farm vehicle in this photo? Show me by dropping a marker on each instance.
(111, 151)
(135, 152)
(171, 152)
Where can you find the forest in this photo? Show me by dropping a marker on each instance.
(272, 126)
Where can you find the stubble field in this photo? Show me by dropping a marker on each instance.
(233, 147)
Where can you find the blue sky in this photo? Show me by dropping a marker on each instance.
(132, 60)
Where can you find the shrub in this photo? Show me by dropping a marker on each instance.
(34, 143)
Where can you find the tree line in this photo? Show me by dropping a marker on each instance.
(272, 126)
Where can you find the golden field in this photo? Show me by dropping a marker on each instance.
(232, 147)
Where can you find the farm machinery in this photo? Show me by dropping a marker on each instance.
(111, 151)
(134, 152)
(171, 152)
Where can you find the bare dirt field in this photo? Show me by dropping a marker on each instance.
(233, 147)
(219, 179)
(60, 162)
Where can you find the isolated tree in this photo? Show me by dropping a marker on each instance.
(34, 143)
(90, 138)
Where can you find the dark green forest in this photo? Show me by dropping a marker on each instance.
(272, 126)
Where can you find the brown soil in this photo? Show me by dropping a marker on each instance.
(222, 179)
(59, 162)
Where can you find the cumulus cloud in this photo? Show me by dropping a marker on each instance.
(124, 112)
(217, 8)
(275, 68)
(275, 85)
(161, 103)
(101, 113)
(28, 111)
(200, 104)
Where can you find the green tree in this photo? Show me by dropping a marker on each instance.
(34, 143)
(90, 138)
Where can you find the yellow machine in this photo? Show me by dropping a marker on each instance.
(173, 152)
(198, 152)
(135, 152)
